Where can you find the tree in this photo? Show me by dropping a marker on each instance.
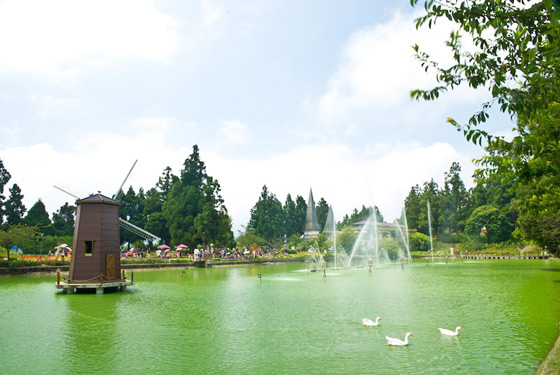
(37, 216)
(157, 224)
(413, 208)
(132, 210)
(489, 224)
(4, 178)
(14, 207)
(291, 222)
(322, 212)
(63, 220)
(301, 210)
(419, 242)
(516, 56)
(19, 235)
(194, 209)
(267, 217)
(250, 238)
(453, 199)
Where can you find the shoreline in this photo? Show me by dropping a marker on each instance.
(26, 270)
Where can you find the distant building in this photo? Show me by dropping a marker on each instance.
(312, 228)
(383, 229)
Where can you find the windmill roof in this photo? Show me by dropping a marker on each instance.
(98, 198)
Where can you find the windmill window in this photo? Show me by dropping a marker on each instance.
(88, 248)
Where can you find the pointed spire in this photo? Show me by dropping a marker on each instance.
(330, 227)
(311, 221)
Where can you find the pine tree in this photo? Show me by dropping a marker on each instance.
(194, 210)
(37, 215)
(4, 178)
(14, 207)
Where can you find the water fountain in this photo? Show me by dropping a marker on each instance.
(430, 230)
(381, 244)
(315, 261)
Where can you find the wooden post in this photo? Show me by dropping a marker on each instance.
(57, 278)
(132, 276)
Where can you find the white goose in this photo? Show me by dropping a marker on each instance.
(370, 323)
(397, 342)
(448, 332)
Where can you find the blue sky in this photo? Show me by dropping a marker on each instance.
(291, 94)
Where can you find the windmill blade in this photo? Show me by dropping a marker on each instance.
(64, 191)
(138, 231)
(120, 191)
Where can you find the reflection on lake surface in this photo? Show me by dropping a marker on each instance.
(228, 321)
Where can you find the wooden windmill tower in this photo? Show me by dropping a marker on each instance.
(96, 244)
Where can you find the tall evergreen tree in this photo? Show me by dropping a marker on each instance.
(14, 207)
(192, 195)
(413, 208)
(290, 217)
(267, 219)
(4, 178)
(322, 212)
(37, 215)
(453, 200)
(301, 210)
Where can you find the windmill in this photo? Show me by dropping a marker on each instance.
(96, 256)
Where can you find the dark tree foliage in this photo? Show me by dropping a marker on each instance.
(453, 200)
(37, 216)
(63, 220)
(322, 209)
(301, 209)
(4, 178)
(291, 224)
(14, 207)
(267, 217)
(489, 224)
(132, 210)
(364, 214)
(194, 209)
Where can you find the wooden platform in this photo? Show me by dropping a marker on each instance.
(100, 288)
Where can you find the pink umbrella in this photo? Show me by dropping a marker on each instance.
(182, 246)
(163, 247)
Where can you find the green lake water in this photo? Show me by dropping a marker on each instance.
(225, 320)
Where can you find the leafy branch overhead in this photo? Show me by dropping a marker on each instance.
(515, 55)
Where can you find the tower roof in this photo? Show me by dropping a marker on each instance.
(330, 223)
(311, 221)
(98, 198)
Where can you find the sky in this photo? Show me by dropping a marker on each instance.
(289, 94)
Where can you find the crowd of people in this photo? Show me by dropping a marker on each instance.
(203, 254)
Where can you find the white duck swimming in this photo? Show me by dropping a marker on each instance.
(448, 332)
(370, 323)
(397, 342)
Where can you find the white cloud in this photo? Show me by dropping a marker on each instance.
(61, 37)
(378, 70)
(48, 105)
(233, 133)
(212, 12)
